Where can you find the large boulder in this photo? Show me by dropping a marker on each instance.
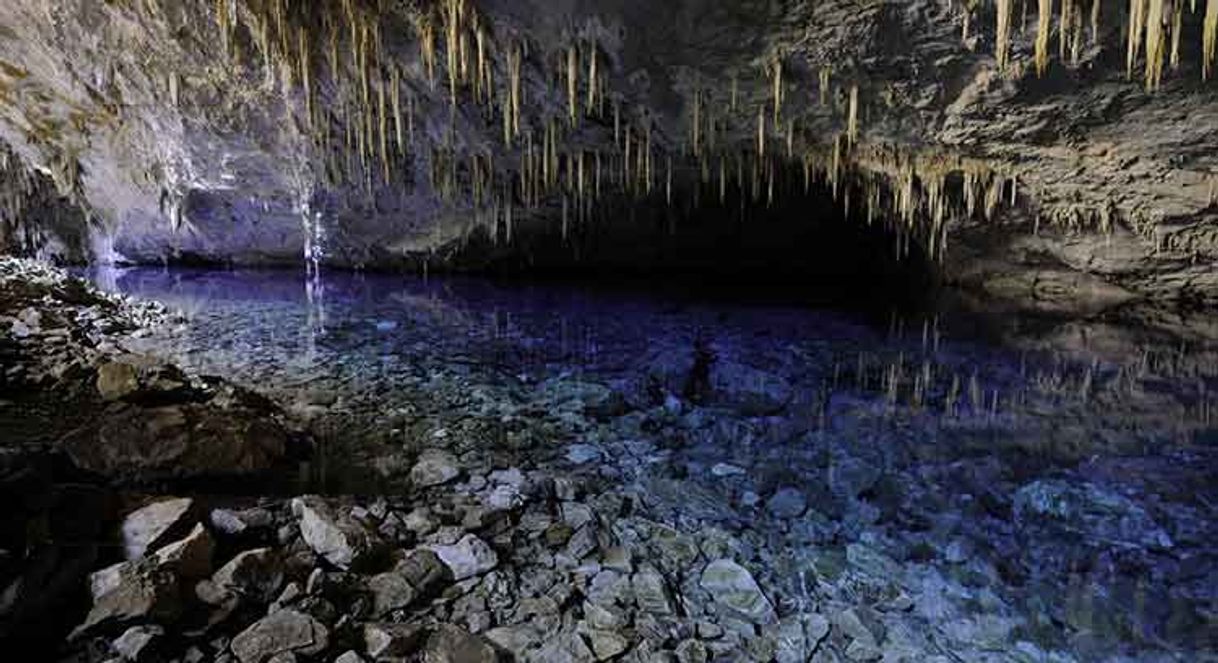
(467, 558)
(735, 590)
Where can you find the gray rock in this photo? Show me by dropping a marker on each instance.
(283, 631)
(734, 588)
(138, 642)
(390, 591)
(392, 640)
(692, 651)
(451, 644)
(154, 525)
(336, 536)
(564, 647)
(606, 644)
(349, 656)
(650, 595)
(467, 558)
(433, 468)
(256, 574)
(191, 557)
(1100, 516)
(135, 591)
(787, 503)
(583, 453)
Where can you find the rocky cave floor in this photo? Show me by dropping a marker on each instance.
(157, 515)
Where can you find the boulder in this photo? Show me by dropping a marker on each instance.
(191, 557)
(285, 631)
(154, 525)
(332, 533)
(787, 503)
(138, 643)
(735, 590)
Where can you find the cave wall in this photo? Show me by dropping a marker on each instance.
(197, 129)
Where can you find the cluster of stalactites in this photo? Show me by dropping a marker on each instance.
(1154, 33)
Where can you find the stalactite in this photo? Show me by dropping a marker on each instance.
(852, 125)
(696, 127)
(760, 133)
(1177, 17)
(1064, 27)
(1044, 25)
(824, 86)
(1004, 12)
(1210, 38)
(572, 84)
(1137, 25)
(1155, 44)
(736, 91)
(1095, 21)
(593, 77)
(777, 91)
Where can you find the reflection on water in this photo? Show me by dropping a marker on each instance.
(1072, 466)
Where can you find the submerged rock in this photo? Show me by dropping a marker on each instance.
(734, 588)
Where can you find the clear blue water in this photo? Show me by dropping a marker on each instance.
(1072, 467)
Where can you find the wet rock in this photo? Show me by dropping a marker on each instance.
(135, 377)
(1097, 515)
(467, 558)
(331, 533)
(433, 468)
(138, 643)
(392, 641)
(451, 644)
(787, 503)
(255, 574)
(154, 525)
(734, 589)
(286, 631)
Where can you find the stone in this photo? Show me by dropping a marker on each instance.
(606, 644)
(286, 631)
(392, 641)
(336, 536)
(390, 591)
(433, 468)
(580, 454)
(564, 647)
(467, 558)
(256, 574)
(138, 642)
(116, 380)
(237, 523)
(1100, 516)
(349, 656)
(154, 525)
(734, 589)
(986, 632)
(135, 591)
(191, 557)
(650, 594)
(451, 644)
(603, 617)
(787, 503)
(692, 651)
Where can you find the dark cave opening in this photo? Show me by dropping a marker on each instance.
(803, 246)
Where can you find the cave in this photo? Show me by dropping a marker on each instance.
(618, 330)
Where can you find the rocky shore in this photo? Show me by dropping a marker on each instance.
(670, 519)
